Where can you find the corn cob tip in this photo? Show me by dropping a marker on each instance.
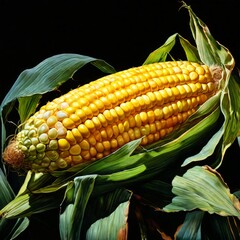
(13, 156)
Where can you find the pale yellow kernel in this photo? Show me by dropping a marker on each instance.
(77, 135)
(61, 115)
(35, 140)
(51, 121)
(63, 144)
(75, 149)
(52, 133)
(43, 128)
(43, 138)
(177, 69)
(64, 105)
(84, 130)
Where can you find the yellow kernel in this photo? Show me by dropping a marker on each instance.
(126, 137)
(89, 124)
(120, 128)
(92, 141)
(86, 154)
(106, 145)
(68, 123)
(137, 132)
(94, 109)
(77, 135)
(76, 119)
(138, 121)
(99, 155)
(87, 111)
(84, 144)
(114, 143)
(81, 114)
(109, 131)
(102, 119)
(96, 122)
(100, 105)
(120, 141)
(64, 154)
(70, 110)
(144, 117)
(200, 70)
(115, 130)
(93, 151)
(75, 150)
(131, 134)
(99, 147)
(83, 130)
(77, 159)
(70, 137)
(107, 114)
(193, 76)
(120, 113)
(63, 144)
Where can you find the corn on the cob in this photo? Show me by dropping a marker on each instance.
(95, 119)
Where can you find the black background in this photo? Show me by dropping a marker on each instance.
(122, 32)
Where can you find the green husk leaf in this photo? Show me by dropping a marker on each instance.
(109, 215)
(191, 228)
(203, 188)
(190, 50)
(160, 54)
(73, 206)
